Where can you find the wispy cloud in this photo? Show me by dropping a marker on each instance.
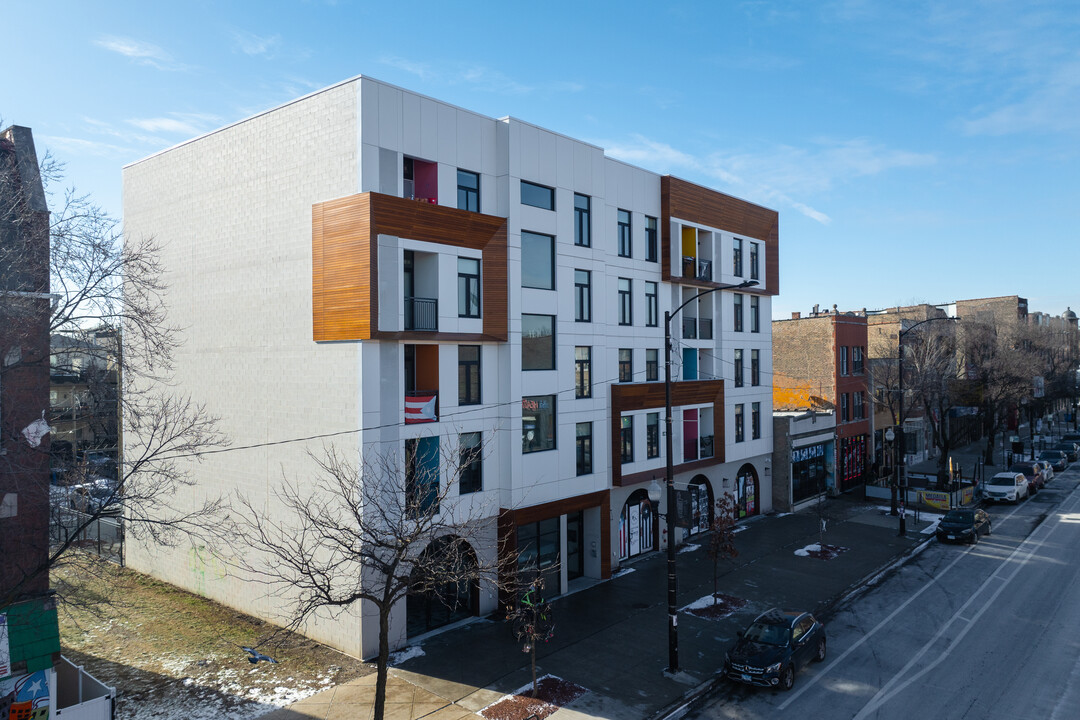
(251, 44)
(1052, 105)
(187, 124)
(141, 52)
(82, 146)
(479, 77)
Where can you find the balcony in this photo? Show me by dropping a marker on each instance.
(706, 446)
(421, 314)
(704, 270)
(689, 328)
(421, 406)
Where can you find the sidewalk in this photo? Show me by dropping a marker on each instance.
(611, 638)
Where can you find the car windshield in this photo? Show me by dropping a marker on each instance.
(1026, 469)
(768, 634)
(959, 516)
(1008, 480)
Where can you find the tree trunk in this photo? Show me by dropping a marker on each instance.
(382, 663)
(533, 654)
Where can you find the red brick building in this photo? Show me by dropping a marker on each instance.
(819, 362)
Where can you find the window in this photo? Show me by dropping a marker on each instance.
(651, 245)
(582, 296)
(739, 423)
(755, 367)
(626, 365)
(843, 360)
(472, 464)
(582, 371)
(537, 342)
(857, 366)
(468, 282)
(857, 411)
(738, 368)
(626, 438)
(652, 435)
(625, 243)
(737, 305)
(537, 423)
(755, 421)
(652, 365)
(539, 196)
(845, 410)
(754, 261)
(421, 476)
(626, 309)
(584, 448)
(537, 260)
(755, 314)
(582, 220)
(468, 374)
(736, 259)
(652, 305)
(468, 191)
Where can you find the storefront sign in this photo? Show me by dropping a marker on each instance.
(808, 453)
(934, 499)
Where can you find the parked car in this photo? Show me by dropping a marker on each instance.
(96, 495)
(1069, 448)
(1032, 472)
(776, 645)
(1071, 437)
(1057, 459)
(1006, 487)
(1047, 470)
(963, 525)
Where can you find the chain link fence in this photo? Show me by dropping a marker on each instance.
(103, 535)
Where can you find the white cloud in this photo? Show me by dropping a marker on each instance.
(251, 44)
(188, 124)
(80, 146)
(1052, 106)
(480, 77)
(141, 52)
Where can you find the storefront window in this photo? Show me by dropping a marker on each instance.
(808, 474)
(636, 531)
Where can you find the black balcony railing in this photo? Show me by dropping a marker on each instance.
(705, 328)
(421, 314)
(689, 328)
(689, 267)
(706, 446)
(704, 270)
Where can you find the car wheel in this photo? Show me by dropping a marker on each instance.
(787, 678)
(820, 656)
(988, 527)
(975, 537)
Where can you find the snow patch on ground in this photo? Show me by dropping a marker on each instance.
(623, 571)
(413, 651)
(689, 548)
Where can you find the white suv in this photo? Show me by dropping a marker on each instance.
(1006, 487)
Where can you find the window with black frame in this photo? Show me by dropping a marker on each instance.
(583, 443)
(582, 220)
(626, 365)
(537, 423)
(582, 296)
(537, 342)
(583, 371)
(468, 287)
(651, 243)
(652, 435)
(468, 190)
(625, 237)
(652, 365)
(537, 260)
(626, 300)
(468, 374)
(652, 304)
(471, 477)
(626, 438)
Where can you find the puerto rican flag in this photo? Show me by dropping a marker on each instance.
(420, 409)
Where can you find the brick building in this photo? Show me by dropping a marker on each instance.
(820, 362)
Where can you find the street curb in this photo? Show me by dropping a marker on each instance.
(690, 700)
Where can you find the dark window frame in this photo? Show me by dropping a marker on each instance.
(468, 282)
(535, 237)
(468, 371)
(582, 221)
(626, 301)
(626, 365)
(755, 314)
(737, 310)
(625, 233)
(554, 421)
(755, 368)
(652, 435)
(471, 195)
(755, 421)
(652, 304)
(583, 372)
(553, 341)
(738, 376)
(740, 434)
(583, 448)
(652, 253)
(737, 257)
(471, 460)
(582, 296)
(652, 366)
(535, 188)
(754, 273)
(626, 439)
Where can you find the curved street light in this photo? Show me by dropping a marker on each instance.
(673, 621)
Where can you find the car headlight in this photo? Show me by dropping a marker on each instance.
(775, 667)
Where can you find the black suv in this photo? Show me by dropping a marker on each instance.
(776, 644)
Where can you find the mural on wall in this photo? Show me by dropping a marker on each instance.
(25, 697)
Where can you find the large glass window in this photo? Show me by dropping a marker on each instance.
(857, 366)
(468, 287)
(652, 305)
(538, 546)
(421, 476)
(468, 191)
(738, 368)
(584, 448)
(858, 409)
(468, 374)
(755, 420)
(537, 342)
(582, 220)
(843, 359)
(652, 435)
(626, 365)
(582, 371)
(652, 245)
(845, 407)
(625, 239)
(754, 261)
(582, 296)
(537, 260)
(540, 196)
(626, 438)
(739, 436)
(537, 423)
(626, 300)
(736, 303)
(736, 260)
(652, 365)
(755, 314)
(755, 367)
(472, 463)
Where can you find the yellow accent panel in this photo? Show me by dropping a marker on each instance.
(791, 398)
(689, 242)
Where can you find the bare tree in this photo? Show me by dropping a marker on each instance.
(931, 374)
(722, 540)
(533, 621)
(372, 532)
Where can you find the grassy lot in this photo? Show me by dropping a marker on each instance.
(173, 654)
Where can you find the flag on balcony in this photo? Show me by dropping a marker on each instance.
(420, 409)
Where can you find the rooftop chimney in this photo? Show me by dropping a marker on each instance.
(796, 315)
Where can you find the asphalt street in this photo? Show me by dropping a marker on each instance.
(984, 631)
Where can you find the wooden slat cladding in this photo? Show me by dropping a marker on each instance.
(647, 396)
(509, 520)
(345, 276)
(686, 201)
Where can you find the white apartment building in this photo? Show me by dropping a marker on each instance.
(371, 262)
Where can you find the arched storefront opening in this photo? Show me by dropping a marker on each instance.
(637, 526)
(701, 504)
(747, 492)
(431, 606)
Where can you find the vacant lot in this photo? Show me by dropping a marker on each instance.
(171, 654)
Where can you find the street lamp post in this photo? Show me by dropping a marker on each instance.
(901, 465)
(669, 479)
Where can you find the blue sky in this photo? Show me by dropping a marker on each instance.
(916, 151)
